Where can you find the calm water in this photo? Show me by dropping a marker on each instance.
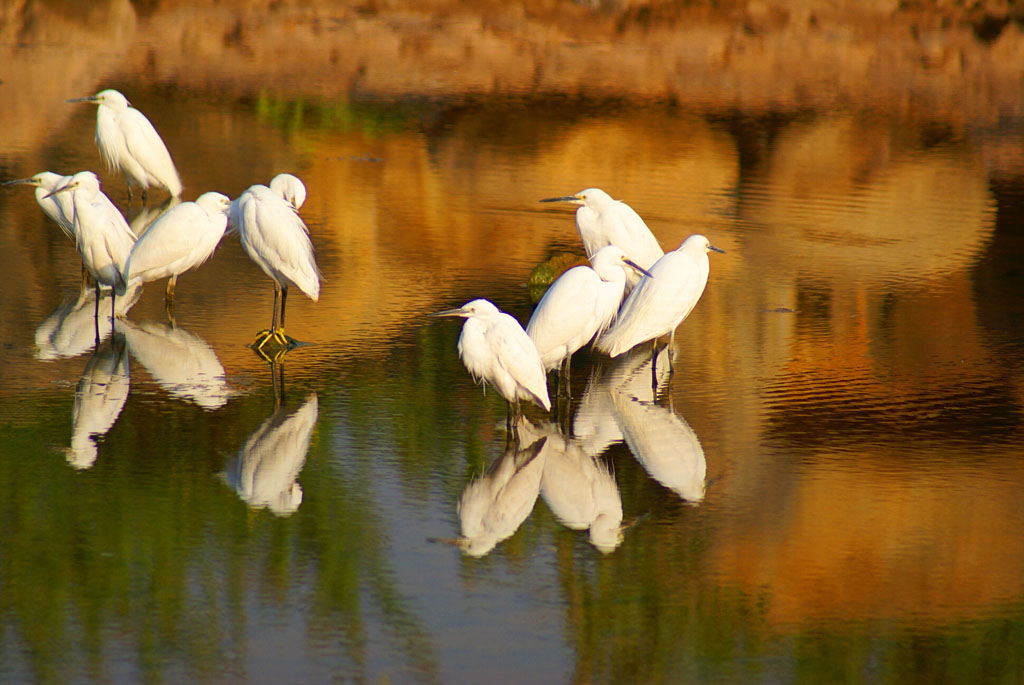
(829, 491)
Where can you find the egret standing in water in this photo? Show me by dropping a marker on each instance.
(102, 235)
(662, 299)
(602, 221)
(278, 241)
(179, 240)
(496, 350)
(578, 306)
(57, 207)
(128, 143)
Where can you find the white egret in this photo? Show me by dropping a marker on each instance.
(265, 472)
(278, 241)
(128, 143)
(57, 207)
(492, 507)
(578, 306)
(289, 187)
(179, 240)
(662, 299)
(496, 350)
(102, 235)
(602, 221)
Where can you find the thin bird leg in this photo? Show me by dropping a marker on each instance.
(671, 352)
(277, 304)
(563, 378)
(279, 331)
(169, 292)
(512, 423)
(96, 314)
(277, 381)
(263, 337)
(564, 422)
(654, 366)
(169, 298)
(113, 302)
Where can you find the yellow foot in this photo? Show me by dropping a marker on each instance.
(261, 339)
(272, 345)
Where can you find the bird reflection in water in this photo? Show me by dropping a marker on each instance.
(619, 405)
(99, 398)
(70, 330)
(265, 471)
(493, 506)
(579, 489)
(181, 362)
(145, 215)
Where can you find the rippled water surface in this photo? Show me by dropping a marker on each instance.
(827, 489)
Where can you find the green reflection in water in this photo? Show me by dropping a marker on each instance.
(149, 558)
(295, 113)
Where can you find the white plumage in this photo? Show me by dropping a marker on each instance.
(179, 240)
(579, 305)
(274, 237)
(57, 207)
(602, 221)
(662, 299)
(496, 350)
(102, 235)
(129, 143)
(289, 187)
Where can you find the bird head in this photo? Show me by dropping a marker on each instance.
(86, 180)
(699, 244)
(479, 307)
(290, 188)
(591, 197)
(109, 97)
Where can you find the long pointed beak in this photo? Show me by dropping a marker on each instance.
(716, 249)
(27, 181)
(567, 198)
(91, 98)
(636, 266)
(452, 312)
(59, 190)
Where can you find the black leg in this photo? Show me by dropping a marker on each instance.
(563, 378)
(654, 367)
(96, 314)
(277, 300)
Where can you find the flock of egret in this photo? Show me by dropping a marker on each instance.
(186, 235)
(631, 293)
(585, 304)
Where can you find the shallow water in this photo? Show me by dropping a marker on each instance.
(829, 489)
